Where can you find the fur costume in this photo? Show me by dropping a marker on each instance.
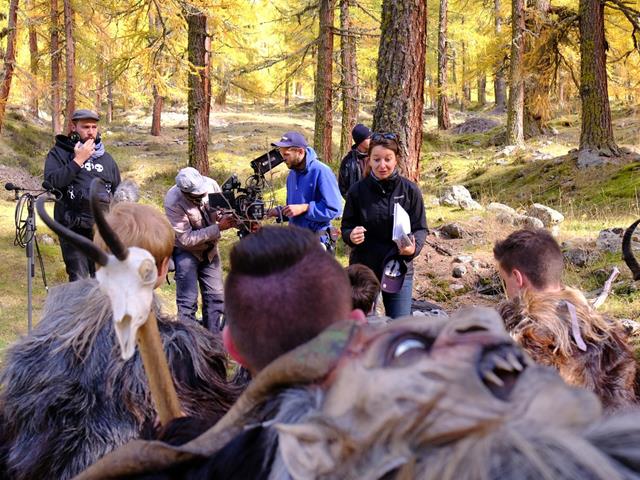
(602, 362)
(440, 399)
(67, 398)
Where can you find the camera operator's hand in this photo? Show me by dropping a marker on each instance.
(295, 210)
(357, 235)
(83, 151)
(273, 212)
(227, 221)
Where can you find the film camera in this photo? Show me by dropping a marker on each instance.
(247, 201)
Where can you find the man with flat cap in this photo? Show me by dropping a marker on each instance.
(313, 197)
(353, 165)
(70, 167)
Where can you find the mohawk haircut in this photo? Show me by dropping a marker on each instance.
(282, 290)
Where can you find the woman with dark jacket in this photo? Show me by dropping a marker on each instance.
(367, 224)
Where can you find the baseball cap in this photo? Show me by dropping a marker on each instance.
(85, 114)
(291, 139)
(394, 270)
(360, 133)
(189, 180)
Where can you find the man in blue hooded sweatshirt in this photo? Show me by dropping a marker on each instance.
(313, 196)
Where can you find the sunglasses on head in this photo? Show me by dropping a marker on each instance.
(380, 137)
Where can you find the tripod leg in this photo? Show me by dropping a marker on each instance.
(44, 276)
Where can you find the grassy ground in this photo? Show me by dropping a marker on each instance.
(590, 200)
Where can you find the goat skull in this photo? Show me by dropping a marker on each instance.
(129, 285)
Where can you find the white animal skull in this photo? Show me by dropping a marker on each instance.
(129, 285)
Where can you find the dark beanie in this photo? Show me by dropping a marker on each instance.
(360, 133)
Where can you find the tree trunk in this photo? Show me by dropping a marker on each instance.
(482, 89)
(109, 100)
(198, 130)
(499, 84)
(349, 77)
(466, 88)
(515, 110)
(156, 119)
(34, 60)
(539, 68)
(400, 92)
(444, 122)
(9, 58)
(323, 83)
(596, 132)
(70, 63)
(56, 56)
(287, 87)
(158, 99)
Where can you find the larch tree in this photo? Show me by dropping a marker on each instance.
(324, 83)
(444, 122)
(9, 59)
(34, 60)
(596, 132)
(158, 98)
(198, 119)
(56, 57)
(515, 108)
(499, 83)
(349, 83)
(70, 63)
(401, 74)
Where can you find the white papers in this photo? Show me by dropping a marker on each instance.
(401, 226)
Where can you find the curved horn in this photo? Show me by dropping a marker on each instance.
(85, 245)
(627, 254)
(108, 235)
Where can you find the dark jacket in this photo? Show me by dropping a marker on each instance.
(350, 170)
(74, 181)
(370, 204)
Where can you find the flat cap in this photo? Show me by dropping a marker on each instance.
(85, 114)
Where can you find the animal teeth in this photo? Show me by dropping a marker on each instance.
(513, 360)
(493, 378)
(502, 363)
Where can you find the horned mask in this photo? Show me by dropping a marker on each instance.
(127, 276)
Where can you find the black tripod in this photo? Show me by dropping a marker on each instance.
(26, 238)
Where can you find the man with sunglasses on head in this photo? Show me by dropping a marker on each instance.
(198, 229)
(313, 196)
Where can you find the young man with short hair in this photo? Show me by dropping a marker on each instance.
(71, 165)
(556, 324)
(365, 287)
(282, 290)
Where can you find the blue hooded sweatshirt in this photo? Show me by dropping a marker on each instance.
(317, 186)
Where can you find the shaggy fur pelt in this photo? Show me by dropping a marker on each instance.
(541, 324)
(67, 398)
(439, 400)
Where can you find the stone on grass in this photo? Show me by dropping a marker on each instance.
(469, 204)
(452, 230)
(590, 158)
(459, 271)
(496, 208)
(462, 259)
(454, 194)
(610, 240)
(548, 215)
(580, 257)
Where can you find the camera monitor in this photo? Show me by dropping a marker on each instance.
(268, 161)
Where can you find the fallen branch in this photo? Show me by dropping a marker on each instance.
(441, 250)
(606, 290)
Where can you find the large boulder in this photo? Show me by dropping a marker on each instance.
(496, 208)
(452, 230)
(580, 257)
(519, 220)
(610, 240)
(548, 215)
(459, 196)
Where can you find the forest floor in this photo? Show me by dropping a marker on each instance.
(545, 172)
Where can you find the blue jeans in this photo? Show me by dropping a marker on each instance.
(399, 304)
(189, 273)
